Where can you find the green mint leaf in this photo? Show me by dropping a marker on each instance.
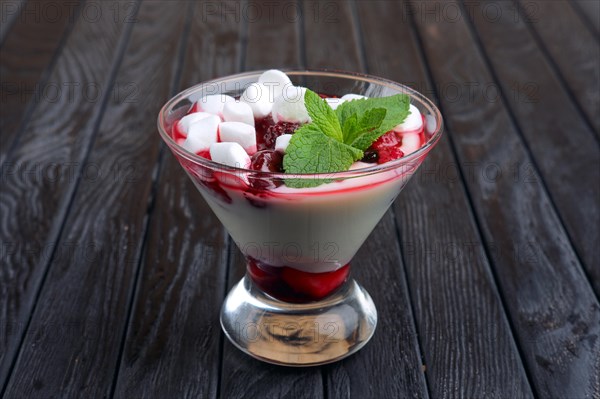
(351, 128)
(364, 131)
(334, 140)
(359, 134)
(311, 151)
(322, 115)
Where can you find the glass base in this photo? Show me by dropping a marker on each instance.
(291, 334)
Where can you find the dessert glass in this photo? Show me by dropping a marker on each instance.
(296, 305)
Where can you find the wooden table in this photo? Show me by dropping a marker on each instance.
(485, 271)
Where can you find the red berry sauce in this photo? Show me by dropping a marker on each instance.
(387, 147)
(293, 285)
(267, 132)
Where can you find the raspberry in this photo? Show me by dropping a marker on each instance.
(314, 286)
(267, 132)
(387, 147)
(390, 139)
(267, 161)
(292, 285)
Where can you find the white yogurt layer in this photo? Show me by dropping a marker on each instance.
(313, 233)
(316, 229)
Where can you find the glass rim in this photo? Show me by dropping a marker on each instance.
(335, 73)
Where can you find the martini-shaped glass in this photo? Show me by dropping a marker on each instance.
(297, 305)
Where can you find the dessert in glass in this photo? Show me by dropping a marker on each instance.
(299, 166)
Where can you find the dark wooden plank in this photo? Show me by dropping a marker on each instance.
(173, 343)
(273, 38)
(552, 307)
(570, 46)
(589, 11)
(25, 64)
(273, 42)
(40, 175)
(575, 185)
(467, 343)
(390, 365)
(86, 294)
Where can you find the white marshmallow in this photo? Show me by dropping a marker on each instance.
(238, 132)
(411, 142)
(202, 133)
(430, 123)
(276, 81)
(289, 107)
(238, 112)
(282, 142)
(351, 96)
(257, 96)
(214, 103)
(334, 102)
(185, 122)
(413, 121)
(230, 154)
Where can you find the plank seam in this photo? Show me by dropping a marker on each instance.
(514, 121)
(60, 222)
(358, 37)
(324, 383)
(356, 22)
(555, 69)
(473, 215)
(411, 295)
(228, 263)
(302, 35)
(141, 255)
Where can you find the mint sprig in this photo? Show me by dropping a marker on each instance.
(334, 140)
(323, 116)
(311, 151)
(372, 124)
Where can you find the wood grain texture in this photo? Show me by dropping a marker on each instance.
(113, 269)
(390, 365)
(44, 170)
(589, 12)
(273, 42)
(34, 40)
(87, 293)
(552, 307)
(573, 48)
(468, 351)
(172, 345)
(274, 38)
(575, 185)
